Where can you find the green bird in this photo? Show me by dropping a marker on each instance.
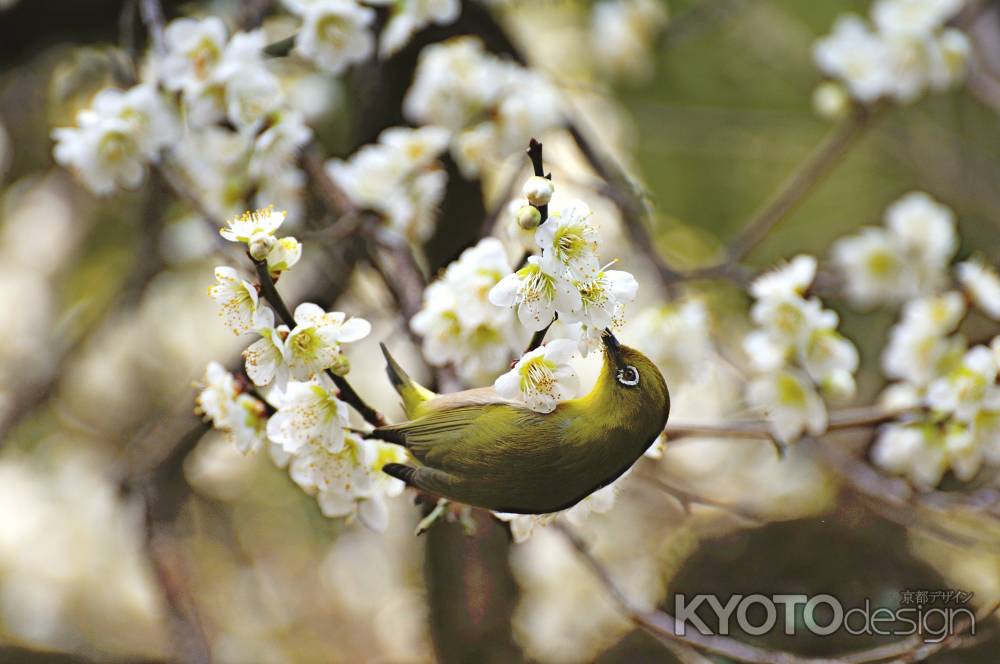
(478, 448)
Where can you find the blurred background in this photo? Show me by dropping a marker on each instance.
(128, 533)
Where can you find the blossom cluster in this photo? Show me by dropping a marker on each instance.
(907, 257)
(117, 137)
(567, 280)
(948, 392)
(677, 336)
(564, 281)
(336, 34)
(794, 349)
(399, 176)
(904, 51)
(491, 106)
(241, 134)
(301, 419)
(458, 323)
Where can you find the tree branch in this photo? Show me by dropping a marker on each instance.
(633, 210)
(347, 392)
(805, 178)
(152, 16)
(663, 626)
(842, 420)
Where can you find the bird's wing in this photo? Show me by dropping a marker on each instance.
(466, 426)
(482, 396)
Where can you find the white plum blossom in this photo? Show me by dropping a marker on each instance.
(914, 18)
(241, 416)
(369, 505)
(313, 345)
(522, 525)
(982, 283)
(194, 48)
(309, 412)
(537, 291)
(459, 324)
(266, 359)
(789, 402)
(919, 347)
(247, 422)
(676, 336)
(831, 360)
(917, 451)
(399, 176)
(790, 279)
(571, 239)
(566, 281)
(967, 388)
(603, 299)
(278, 145)
(219, 77)
(856, 55)
(949, 54)
(493, 106)
(796, 348)
(245, 227)
(347, 483)
(542, 377)
(959, 425)
(335, 33)
(904, 53)
(924, 227)
(872, 266)
(906, 258)
(411, 16)
(251, 97)
(116, 138)
(285, 253)
(218, 391)
(237, 299)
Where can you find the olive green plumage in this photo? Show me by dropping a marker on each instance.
(478, 448)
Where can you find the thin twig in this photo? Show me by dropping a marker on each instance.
(392, 259)
(152, 16)
(347, 392)
(537, 338)
(687, 498)
(842, 420)
(633, 210)
(534, 152)
(805, 178)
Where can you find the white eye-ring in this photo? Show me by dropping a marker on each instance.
(628, 376)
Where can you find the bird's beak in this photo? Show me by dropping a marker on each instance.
(610, 341)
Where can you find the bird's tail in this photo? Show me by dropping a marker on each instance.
(412, 393)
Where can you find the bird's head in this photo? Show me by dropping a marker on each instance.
(633, 381)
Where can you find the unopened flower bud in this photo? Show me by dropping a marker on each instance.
(260, 245)
(538, 190)
(341, 365)
(528, 217)
(286, 252)
(831, 101)
(839, 385)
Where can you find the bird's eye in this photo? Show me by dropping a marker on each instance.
(628, 376)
